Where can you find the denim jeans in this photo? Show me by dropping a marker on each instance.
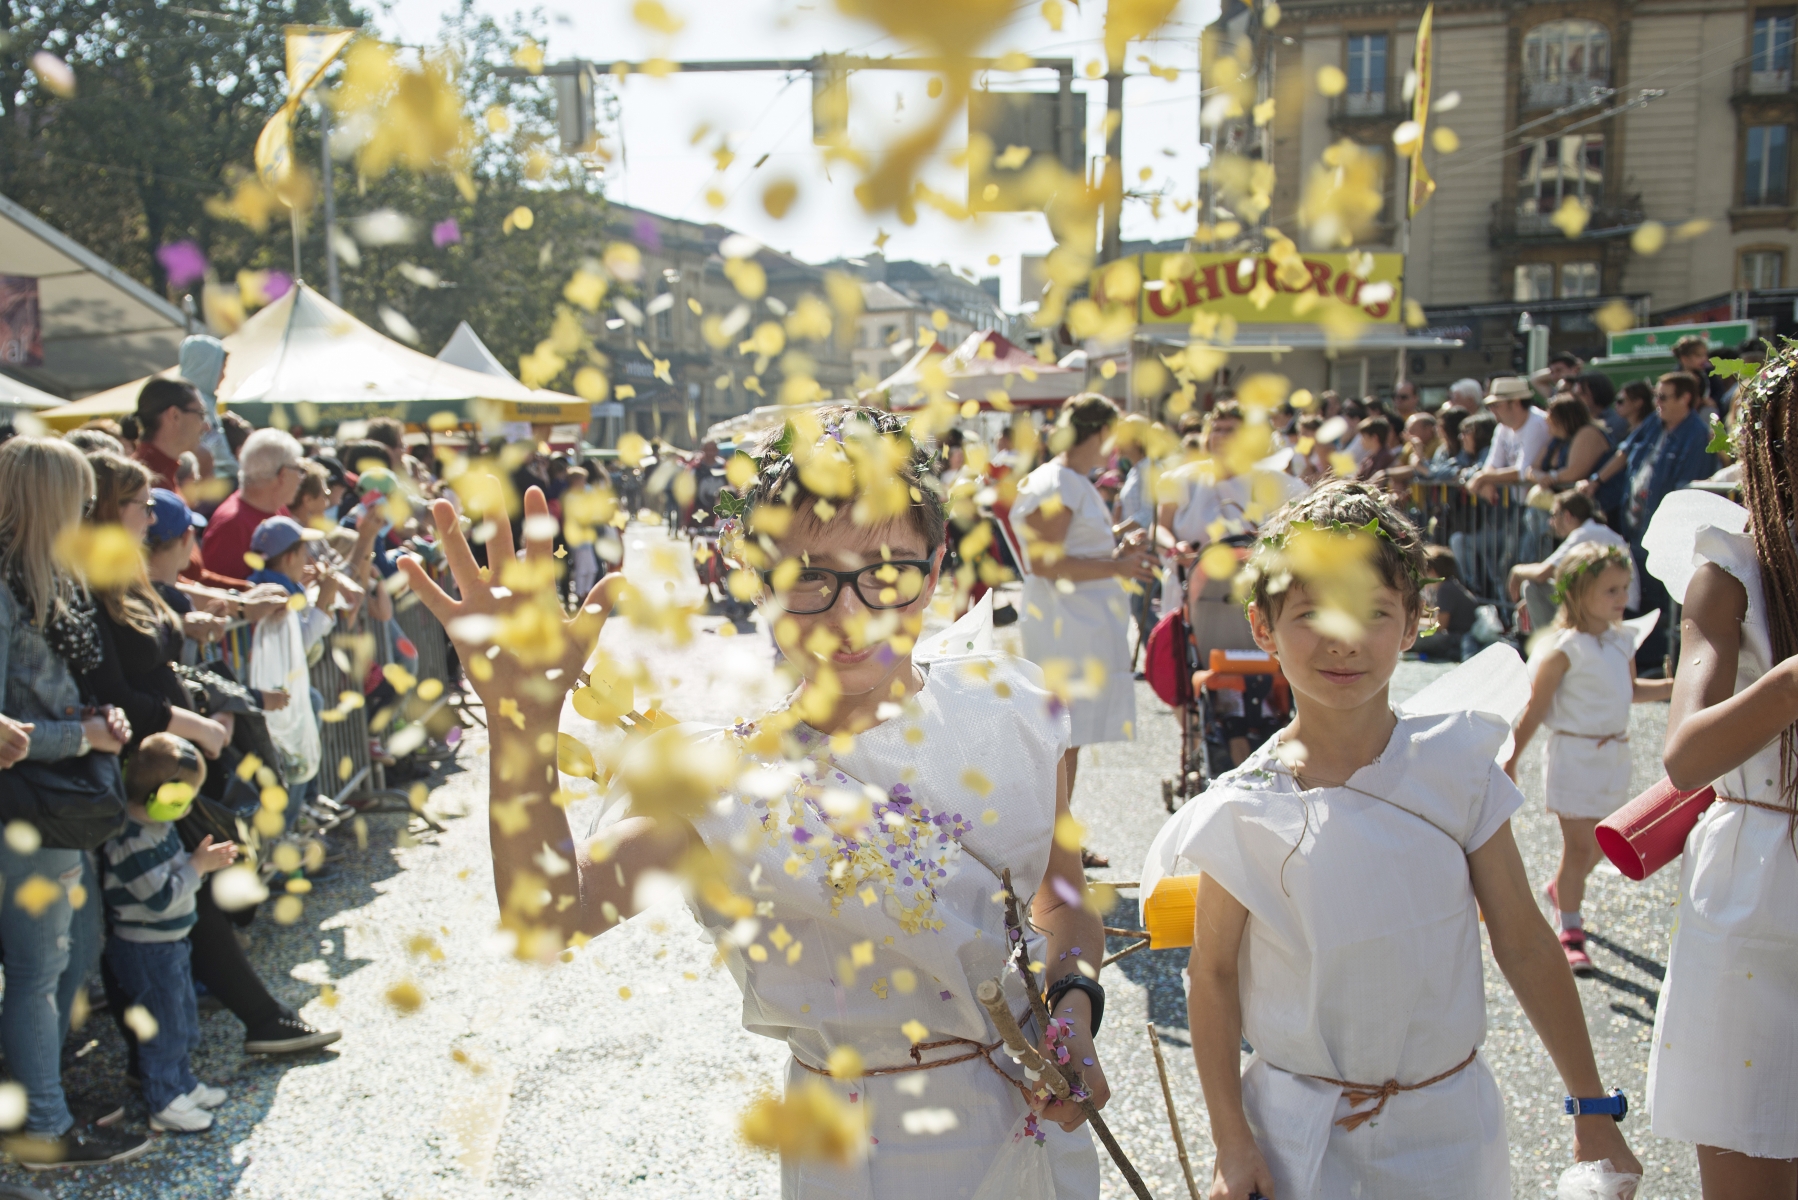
(157, 976)
(46, 958)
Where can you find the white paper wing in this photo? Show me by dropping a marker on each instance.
(973, 634)
(1674, 530)
(1494, 681)
(1640, 627)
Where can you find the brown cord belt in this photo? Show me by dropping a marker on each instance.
(1782, 809)
(1360, 1093)
(1603, 739)
(982, 1051)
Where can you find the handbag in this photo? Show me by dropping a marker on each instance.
(75, 803)
(1650, 831)
(1164, 663)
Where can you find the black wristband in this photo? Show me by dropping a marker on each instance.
(1073, 981)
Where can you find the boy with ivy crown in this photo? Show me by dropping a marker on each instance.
(1342, 872)
(846, 850)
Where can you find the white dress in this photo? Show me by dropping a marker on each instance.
(1587, 770)
(1356, 970)
(924, 918)
(1086, 631)
(1724, 1068)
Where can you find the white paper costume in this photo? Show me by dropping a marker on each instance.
(1361, 956)
(863, 937)
(1724, 1068)
(1587, 766)
(1090, 622)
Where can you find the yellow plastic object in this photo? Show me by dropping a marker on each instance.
(1169, 911)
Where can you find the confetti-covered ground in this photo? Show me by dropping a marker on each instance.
(622, 1072)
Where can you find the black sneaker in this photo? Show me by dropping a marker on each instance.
(287, 1035)
(81, 1146)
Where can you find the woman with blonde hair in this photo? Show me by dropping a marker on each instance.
(48, 638)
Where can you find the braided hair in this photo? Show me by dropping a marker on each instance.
(1767, 442)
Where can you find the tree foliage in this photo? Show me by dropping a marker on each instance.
(169, 101)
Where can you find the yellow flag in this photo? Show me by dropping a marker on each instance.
(1422, 186)
(310, 49)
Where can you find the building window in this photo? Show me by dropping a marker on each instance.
(1565, 61)
(1579, 280)
(1770, 64)
(1556, 168)
(1764, 176)
(1762, 269)
(1366, 74)
(1534, 281)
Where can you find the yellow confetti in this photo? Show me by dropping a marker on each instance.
(845, 1063)
(288, 910)
(975, 782)
(142, 1022)
(37, 894)
(862, 954)
(404, 997)
(757, 953)
(906, 980)
(915, 1030)
(809, 1123)
(1069, 833)
(1572, 216)
(624, 993)
(990, 817)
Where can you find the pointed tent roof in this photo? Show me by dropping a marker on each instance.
(15, 395)
(466, 349)
(304, 350)
(974, 370)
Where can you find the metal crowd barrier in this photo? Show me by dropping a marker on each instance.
(1487, 538)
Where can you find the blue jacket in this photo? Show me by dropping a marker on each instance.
(40, 688)
(1669, 460)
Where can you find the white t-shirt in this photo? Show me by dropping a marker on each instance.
(1519, 448)
(1604, 535)
(1240, 503)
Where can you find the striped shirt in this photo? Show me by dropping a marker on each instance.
(149, 882)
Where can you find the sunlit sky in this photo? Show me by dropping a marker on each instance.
(769, 114)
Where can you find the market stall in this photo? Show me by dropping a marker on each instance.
(985, 363)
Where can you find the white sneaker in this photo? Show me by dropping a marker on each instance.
(207, 1096)
(182, 1115)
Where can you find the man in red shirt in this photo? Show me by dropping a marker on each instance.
(171, 419)
(269, 478)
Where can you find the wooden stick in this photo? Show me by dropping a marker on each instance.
(1013, 921)
(1132, 933)
(1173, 1120)
(1126, 952)
(992, 998)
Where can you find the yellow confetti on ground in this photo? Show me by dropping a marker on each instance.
(404, 997)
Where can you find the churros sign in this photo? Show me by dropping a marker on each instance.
(1255, 290)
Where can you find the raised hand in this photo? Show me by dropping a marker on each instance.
(534, 672)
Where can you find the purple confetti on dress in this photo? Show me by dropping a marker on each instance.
(445, 233)
(182, 262)
(945, 995)
(802, 835)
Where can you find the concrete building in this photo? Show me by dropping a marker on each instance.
(1678, 112)
(682, 261)
(900, 301)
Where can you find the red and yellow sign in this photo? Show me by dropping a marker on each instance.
(1222, 285)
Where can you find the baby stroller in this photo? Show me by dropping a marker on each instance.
(1202, 660)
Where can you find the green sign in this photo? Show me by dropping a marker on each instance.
(1659, 339)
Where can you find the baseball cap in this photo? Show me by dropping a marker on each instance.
(170, 517)
(277, 535)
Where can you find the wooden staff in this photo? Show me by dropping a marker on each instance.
(992, 998)
(1173, 1120)
(1126, 952)
(1014, 923)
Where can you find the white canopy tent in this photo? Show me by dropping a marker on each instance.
(100, 326)
(321, 365)
(18, 397)
(984, 362)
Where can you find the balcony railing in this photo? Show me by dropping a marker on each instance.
(1361, 108)
(1512, 223)
(1560, 92)
(1748, 81)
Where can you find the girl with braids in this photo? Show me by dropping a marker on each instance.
(1343, 870)
(1584, 682)
(1724, 1069)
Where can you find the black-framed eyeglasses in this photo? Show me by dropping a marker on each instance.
(888, 584)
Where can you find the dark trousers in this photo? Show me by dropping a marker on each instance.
(155, 975)
(220, 964)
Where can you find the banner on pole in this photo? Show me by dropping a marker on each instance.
(310, 50)
(21, 326)
(1422, 186)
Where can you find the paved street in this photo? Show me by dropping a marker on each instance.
(621, 1072)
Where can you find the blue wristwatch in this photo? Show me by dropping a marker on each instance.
(1615, 1105)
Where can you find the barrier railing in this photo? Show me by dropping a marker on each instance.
(1488, 537)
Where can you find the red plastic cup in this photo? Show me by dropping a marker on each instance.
(1650, 831)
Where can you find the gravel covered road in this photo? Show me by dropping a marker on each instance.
(621, 1071)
